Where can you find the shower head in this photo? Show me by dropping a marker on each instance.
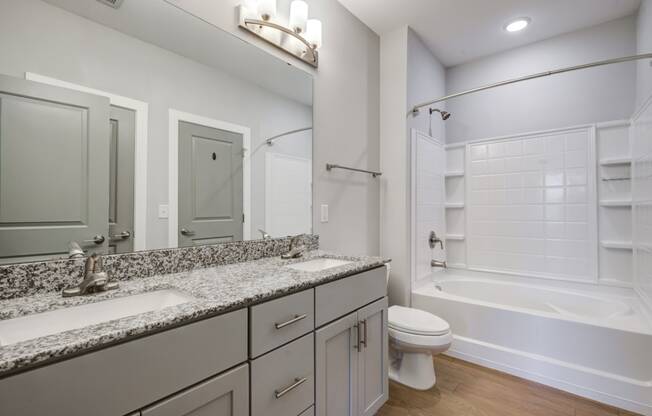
(445, 115)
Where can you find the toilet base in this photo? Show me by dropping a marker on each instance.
(412, 369)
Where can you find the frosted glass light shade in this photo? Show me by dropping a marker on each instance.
(267, 9)
(313, 33)
(298, 16)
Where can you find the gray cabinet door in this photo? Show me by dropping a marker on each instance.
(54, 169)
(121, 180)
(210, 185)
(224, 395)
(372, 362)
(336, 368)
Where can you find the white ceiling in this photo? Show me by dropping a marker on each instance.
(458, 31)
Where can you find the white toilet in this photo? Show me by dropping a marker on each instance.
(414, 336)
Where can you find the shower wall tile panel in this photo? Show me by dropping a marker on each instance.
(429, 184)
(642, 201)
(532, 205)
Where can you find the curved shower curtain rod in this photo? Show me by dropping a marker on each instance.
(415, 109)
(287, 133)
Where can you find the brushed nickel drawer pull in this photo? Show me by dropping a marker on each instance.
(364, 322)
(357, 336)
(283, 392)
(296, 319)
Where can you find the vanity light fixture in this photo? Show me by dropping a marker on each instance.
(518, 24)
(301, 37)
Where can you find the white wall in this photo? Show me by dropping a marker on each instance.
(586, 96)
(426, 79)
(644, 45)
(37, 37)
(394, 218)
(409, 73)
(346, 118)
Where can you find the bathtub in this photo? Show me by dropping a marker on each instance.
(589, 340)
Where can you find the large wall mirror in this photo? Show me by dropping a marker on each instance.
(144, 127)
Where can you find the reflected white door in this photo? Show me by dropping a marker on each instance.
(288, 195)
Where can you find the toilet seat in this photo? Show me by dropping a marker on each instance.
(416, 322)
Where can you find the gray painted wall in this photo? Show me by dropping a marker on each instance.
(426, 80)
(644, 45)
(40, 38)
(586, 96)
(346, 118)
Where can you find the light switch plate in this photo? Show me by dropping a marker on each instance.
(324, 213)
(163, 211)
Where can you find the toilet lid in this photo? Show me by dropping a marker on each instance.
(415, 321)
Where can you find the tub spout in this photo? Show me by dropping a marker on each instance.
(437, 263)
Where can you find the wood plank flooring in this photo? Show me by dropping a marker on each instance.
(465, 389)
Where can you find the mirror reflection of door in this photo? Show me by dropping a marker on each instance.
(54, 170)
(210, 185)
(121, 180)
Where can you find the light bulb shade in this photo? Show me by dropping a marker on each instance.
(313, 32)
(267, 8)
(298, 16)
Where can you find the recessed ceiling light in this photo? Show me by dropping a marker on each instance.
(518, 24)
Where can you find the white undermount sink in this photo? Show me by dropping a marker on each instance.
(318, 264)
(60, 320)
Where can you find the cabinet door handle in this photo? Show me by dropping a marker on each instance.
(358, 336)
(297, 382)
(364, 341)
(296, 319)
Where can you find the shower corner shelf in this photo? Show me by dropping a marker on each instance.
(616, 161)
(454, 174)
(619, 245)
(616, 203)
(454, 205)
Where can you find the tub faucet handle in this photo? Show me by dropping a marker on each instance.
(433, 240)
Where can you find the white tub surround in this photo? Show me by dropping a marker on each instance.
(585, 339)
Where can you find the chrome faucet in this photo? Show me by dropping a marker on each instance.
(437, 263)
(95, 279)
(264, 234)
(297, 248)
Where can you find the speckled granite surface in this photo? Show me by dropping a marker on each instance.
(215, 290)
(27, 279)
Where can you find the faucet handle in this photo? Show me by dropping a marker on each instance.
(433, 240)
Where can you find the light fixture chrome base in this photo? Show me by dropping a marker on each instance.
(261, 28)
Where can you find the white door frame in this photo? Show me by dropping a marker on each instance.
(176, 116)
(141, 109)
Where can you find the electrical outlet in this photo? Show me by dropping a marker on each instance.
(163, 211)
(324, 213)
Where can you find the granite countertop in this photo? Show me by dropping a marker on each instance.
(215, 290)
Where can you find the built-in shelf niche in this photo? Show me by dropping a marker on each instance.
(455, 205)
(615, 202)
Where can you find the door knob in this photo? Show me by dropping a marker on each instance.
(187, 232)
(122, 236)
(98, 239)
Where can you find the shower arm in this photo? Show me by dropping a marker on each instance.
(416, 108)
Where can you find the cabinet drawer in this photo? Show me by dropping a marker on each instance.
(117, 380)
(223, 395)
(338, 298)
(282, 382)
(279, 321)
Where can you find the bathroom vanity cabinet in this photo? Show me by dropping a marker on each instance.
(321, 351)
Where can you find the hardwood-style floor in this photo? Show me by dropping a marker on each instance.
(465, 389)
